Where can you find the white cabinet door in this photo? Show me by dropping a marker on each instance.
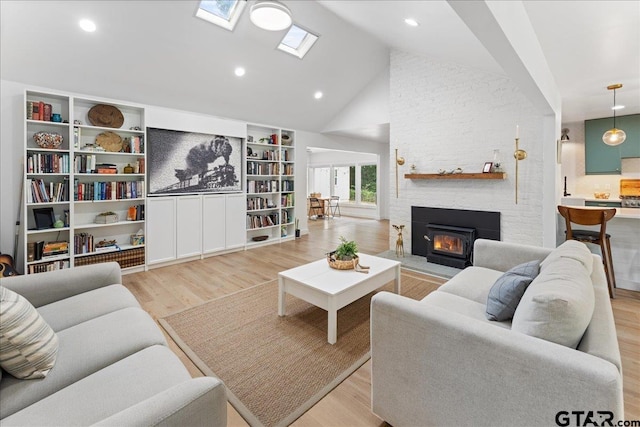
(161, 229)
(188, 226)
(236, 214)
(213, 223)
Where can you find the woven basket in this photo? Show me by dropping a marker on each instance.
(339, 264)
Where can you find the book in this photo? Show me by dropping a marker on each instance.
(35, 111)
(132, 213)
(106, 170)
(29, 110)
(31, 251)
(37, 253)
(46, 113)
(41, 110)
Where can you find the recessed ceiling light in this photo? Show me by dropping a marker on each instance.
(240, 71)
(617, 107)
(88, 25)
(411, 22)
(317, 95)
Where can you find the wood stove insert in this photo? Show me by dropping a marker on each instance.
(449, 245)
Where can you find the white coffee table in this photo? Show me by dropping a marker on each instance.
(332, 289)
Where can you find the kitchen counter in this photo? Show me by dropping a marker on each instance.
(633, 213)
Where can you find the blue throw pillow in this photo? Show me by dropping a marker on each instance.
(506, 292)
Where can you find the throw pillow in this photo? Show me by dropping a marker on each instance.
(558, 305)
(28, 346)
(506, 292)
(572, 249)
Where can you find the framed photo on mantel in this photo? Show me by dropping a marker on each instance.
(487, 167)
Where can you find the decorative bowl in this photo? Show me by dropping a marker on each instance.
(48, 139)
(105, 116)
(259, 238)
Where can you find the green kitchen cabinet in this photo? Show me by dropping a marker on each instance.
(601, 159)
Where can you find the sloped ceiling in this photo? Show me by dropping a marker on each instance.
(159, 53)
(587, 44)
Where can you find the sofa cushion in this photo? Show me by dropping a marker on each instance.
(28, 345)
(571, 249)
(84, 349)
(472, 283)
(506, 292)
(475, 311)
(108, 391)
(86, 306)
(558, 305)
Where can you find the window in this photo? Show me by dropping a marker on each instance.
(224, 13)
(368, 188)
(356, 184)
(297, 41)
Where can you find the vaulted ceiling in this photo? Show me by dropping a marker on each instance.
(159, 53)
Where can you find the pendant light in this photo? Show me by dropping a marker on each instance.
(614, 136)
(270, 15)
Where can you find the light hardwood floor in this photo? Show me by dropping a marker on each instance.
(166, 290)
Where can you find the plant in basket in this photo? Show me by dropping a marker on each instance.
(345, 257)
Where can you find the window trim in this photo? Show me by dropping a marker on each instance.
(358, 202)
(305, 45)
(219, 21)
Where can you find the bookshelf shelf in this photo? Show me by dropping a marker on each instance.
(113, 224)
(109, 201)
(59, 174)
(119, 248)
(49, 259)
(48, 230)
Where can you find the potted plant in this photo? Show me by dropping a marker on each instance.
(345, 257)
(346, 250)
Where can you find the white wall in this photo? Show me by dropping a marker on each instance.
(369, 107)
(11, 159)
(445, 116)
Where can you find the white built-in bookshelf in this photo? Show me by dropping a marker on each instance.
(270, 160)
(79, 180)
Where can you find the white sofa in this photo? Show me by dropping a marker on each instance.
(113, 366)
(441, 362)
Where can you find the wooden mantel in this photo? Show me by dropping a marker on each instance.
(492, 175)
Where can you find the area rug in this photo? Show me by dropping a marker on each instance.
(276, 368)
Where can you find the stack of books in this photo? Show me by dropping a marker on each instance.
(108, 168)
(55, 248)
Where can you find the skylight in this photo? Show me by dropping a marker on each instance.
(224, 13)
(297, 41)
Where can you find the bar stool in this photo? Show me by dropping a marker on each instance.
(600, 217)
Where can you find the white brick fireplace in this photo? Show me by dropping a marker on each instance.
(444, 116)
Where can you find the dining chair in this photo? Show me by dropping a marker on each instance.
(334, 206)
(315, 208)
(584, 216)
